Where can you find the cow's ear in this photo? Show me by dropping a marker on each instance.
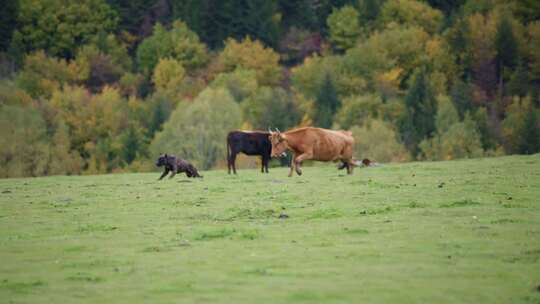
(165, 155)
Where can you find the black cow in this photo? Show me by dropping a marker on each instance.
(249, 143)
(176, 165)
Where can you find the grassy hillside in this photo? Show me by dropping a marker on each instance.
(444, 232)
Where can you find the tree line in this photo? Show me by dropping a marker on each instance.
(98, 86)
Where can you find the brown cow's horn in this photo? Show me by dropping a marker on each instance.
(277, 130)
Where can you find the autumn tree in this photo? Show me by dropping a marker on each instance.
(42, 75)
(168, 76)
(411, 13)
(251, 54)
(24, 144)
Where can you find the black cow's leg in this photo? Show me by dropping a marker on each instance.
(233, 161)
(164, 173)
(262, 164)
(266, 161)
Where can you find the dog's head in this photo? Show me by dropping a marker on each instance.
(162, 160)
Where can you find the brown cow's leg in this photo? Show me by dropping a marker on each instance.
(292, 164)
(300, 159)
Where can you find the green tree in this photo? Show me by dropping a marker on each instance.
(180, 43)
(377, 139)
(241, 83)
(326, 103)
(197, 131)
(60, 27)
(454, 138)
(420, 109)
(344, 27)
(356, 110)
(270, 108)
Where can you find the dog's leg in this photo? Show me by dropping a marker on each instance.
(164, 174)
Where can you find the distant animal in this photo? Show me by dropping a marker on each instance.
(249, 143)
(366, 162)
(316, 144)
(176, 165)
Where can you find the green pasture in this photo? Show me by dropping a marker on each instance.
(463, 231)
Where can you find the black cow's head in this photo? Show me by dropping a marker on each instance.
(162, 160)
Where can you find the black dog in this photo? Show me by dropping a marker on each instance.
(176, 165)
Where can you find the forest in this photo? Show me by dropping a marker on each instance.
(99, 86)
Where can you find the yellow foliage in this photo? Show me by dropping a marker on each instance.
(482, 31)
(168, 74)
(251, 54)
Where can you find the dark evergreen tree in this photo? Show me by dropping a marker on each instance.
(323, 8)
(216, 20)
(457, 40)
(461, 94)
(506, 46)
(300, 14)
(447, 6)
(527, 10)
(418, 121)
(131, 13)
(131, 144)
(519, 81)
(530, 134)
(369, 10)
(326, 103)
(8, 22)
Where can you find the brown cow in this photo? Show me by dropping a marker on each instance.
(316, 144)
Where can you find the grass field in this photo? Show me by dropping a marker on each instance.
(435, 232)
